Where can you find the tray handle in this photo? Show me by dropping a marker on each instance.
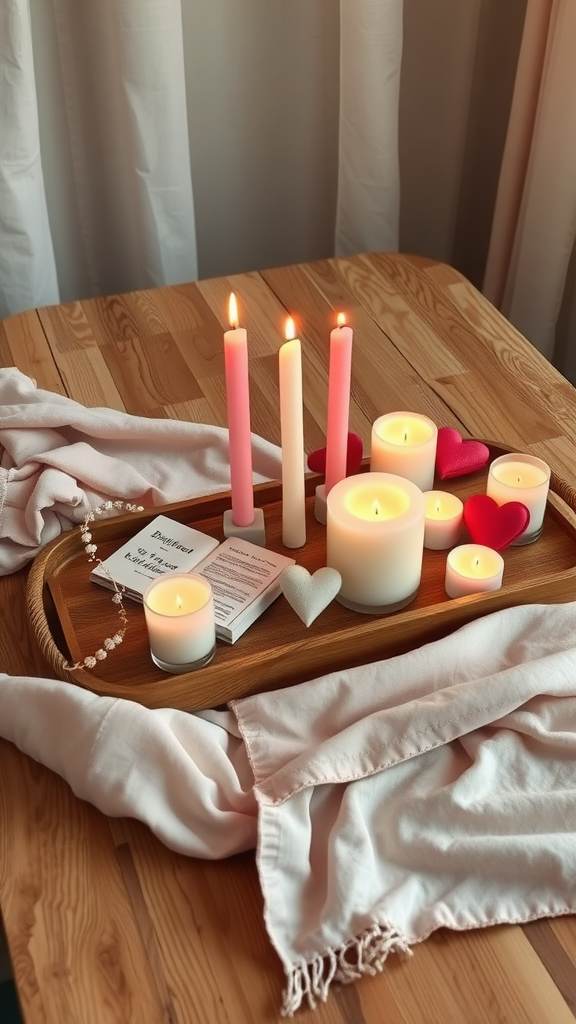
(38, 619)
(564, 490)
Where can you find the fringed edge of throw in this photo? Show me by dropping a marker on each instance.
(364, 954)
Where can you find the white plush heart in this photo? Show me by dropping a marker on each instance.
(309, 595)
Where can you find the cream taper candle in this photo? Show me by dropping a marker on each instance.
(292, 438)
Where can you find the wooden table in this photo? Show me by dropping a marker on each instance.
(106, 925)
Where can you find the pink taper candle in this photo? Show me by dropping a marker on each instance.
(338, 403)
(238, 402)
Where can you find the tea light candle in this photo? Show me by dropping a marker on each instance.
(179, 611)
(443, 520)
(375, 539)
(404, 443)
(521, 478)
(473, 569)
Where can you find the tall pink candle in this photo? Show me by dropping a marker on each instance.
(338, 403)
(238, 403)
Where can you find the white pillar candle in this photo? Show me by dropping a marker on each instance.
(375, 539)
(521, 478)
(404, 443)
(443, 520)
(292, 436)
(179, 611)
(473, 569)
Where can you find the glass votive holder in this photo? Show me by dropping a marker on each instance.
(522, 478)
(179, 610)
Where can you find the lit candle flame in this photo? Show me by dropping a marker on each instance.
(233, 310)
(178, 602)
(376, 508)
(290, 330)
(341, 319)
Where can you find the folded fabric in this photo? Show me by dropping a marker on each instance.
(436, 789)
(186, 776)
(59, 459)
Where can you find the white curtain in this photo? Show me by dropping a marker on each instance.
(114, 136)
(534, 228)
(27, 267)
(368, 207)
(122, 74)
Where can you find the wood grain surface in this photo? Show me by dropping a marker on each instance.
(104, 924)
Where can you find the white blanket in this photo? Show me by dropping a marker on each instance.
(434, 789)
(59, 459)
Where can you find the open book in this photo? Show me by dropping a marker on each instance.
(243, 576)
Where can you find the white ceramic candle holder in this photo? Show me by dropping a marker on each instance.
(522, 478)
(255, 532)
(179, 611)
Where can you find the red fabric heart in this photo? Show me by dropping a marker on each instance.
(494, 525)
(355, 451)
(455, 457)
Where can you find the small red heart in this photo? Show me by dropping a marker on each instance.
(455, 457)
(355, 451)
(494, 525)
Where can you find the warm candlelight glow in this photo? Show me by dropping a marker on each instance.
(341, 319)
(437, 508)
(290, 330)
(389, 504)
(233, 310)
(178, 602)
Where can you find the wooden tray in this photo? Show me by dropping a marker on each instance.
(71, 616)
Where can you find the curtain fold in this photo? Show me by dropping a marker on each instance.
(534, 227)
(368, 204)
(123, 71)
(27, 266)
(122, 75)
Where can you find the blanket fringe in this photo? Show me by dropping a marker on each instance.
(364, 954)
